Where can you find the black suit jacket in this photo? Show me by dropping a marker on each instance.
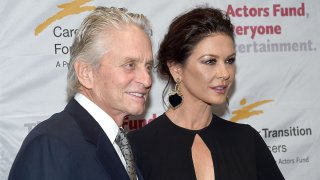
(69, 145)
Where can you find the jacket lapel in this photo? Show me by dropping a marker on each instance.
(139, 175)
(109, 158)
(93, 133)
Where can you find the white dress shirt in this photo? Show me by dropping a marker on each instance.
(108, 125)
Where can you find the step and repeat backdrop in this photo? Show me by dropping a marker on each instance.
(277, 89)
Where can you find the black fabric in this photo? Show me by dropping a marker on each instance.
(162, 151)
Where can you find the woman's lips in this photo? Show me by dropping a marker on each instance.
(221, 89)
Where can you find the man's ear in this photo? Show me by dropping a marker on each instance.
(84, 73)
(175, 70)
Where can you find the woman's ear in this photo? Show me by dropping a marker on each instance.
(175, 69)
(84, 73)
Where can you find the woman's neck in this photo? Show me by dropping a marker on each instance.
(191, 116)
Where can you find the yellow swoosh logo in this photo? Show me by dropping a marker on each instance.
(70, 8)
(248, 110)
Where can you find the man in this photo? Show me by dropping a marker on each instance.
(109, 78)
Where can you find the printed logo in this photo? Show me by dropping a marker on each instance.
(71, 8)
(247, 110)
(133, 124)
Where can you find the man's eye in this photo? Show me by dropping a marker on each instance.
(149, 67)
(130, 65)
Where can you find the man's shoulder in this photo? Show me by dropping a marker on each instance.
(60, 125)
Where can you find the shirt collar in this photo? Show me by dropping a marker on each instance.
(108, 125)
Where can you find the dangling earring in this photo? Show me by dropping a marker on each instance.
(227, 101)
(175, 97)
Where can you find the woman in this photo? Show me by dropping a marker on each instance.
(188, 141)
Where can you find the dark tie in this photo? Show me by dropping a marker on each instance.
(125, 148)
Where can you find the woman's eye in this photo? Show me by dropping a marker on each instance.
(210, 61)
(231, 61)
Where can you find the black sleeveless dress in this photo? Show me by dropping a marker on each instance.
(162, 151)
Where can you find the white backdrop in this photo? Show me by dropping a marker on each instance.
(277, 87)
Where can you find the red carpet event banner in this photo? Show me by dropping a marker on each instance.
(277, 77)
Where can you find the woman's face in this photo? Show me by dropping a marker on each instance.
(209, 71)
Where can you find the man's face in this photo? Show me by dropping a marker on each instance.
(122, 82)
